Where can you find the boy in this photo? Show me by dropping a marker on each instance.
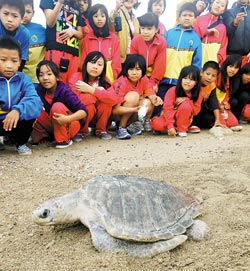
(183, 49)
(20, 105)
(37, 41)
(209, 115)
(11, 14)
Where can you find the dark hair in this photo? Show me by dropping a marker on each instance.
(130, 63)
(28, 2)
(211, 3)
(207, 2)
(234, 60)
(93, 58)
(211, 64)
(89, 6)
(149, 19)
(50, 64)
(104, 32)
(245, 69)
(18, 4)
(190, 7)
(151, 2)
(9, 43)
(193, 73)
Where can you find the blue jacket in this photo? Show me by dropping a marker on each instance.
(63, 94)
(183, 49)
(19, 93)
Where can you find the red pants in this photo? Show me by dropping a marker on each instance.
(45, 126)
(56, 55)
(230, 121)
(246, 112)
(183, 119)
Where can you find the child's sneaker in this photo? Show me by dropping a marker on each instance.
(147, 125)
(23, 150)
(78, 137)
(64, 144)
(194, 129)
(181, 134)
(237, 128)
(105, 135)
(122, 133)
(135, 128)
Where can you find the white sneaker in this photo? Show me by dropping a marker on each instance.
(237, 128)
(181, 134)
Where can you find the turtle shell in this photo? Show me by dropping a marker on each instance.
(140, 209)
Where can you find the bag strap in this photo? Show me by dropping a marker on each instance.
(130, 31)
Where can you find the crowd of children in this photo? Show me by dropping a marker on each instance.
(91, 69)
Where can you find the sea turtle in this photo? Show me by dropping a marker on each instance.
(125, 213)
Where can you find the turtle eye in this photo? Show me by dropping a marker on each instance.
(45, 213)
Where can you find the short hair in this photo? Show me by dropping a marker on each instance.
(193, 73)
(131, 61)
(28, 2)
(190, 7)
(211, 64)
(93, 58)
(49, 63)
(92, 11)
(9, 43)
(151, 2)
(149, 19)
(18, 4)
(245, 69)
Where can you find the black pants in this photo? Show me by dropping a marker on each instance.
(205, 118)
(20, 135)
(238, 103)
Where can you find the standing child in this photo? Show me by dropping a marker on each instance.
(101, 39)
(212, 32)
(37, 41)
(63, 32)
(158, 7)
(11, 14)
(20, 104)
(181, 103)
(63, 112)
(228, 83)
(94, 74)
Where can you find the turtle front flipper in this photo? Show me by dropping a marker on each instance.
(105, 242)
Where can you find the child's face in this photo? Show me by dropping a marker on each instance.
(186, 19)
(129, 4)
(218, 7)
(158, 7)
(232, 70)
(47, 78)
(245, 78)
(9, 62)
(208, 76)
(188, 83)
(95, 69)
(201, 6)
(99, 19)
(10, 17)
(83, 5)
(134, 74)
(148, 32)
(29, 13)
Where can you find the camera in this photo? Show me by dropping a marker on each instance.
(243, 9)
(118, 24)
(64, 65)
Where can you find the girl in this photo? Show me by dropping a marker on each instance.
(94, 74)
(63, 112)
(158, 7)
(100, 39)
(240, 100)
(181, 103)
(212, 32)
(228, 83)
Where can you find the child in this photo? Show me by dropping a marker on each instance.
(37, 41)
(129, 25)
(94, 74)
(212, 32)
(64, 29)
(101, 39)
(209, 114)
(63, 112)
(240, 100)
(158, 7)
(84, 6)
(183, 49)
(20, 104)
(11, 14)
(181, 103)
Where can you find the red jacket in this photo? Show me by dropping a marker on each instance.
(155, 55)
(109, 46)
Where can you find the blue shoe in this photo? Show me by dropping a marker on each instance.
(105, 136)
(122, 133)
(135, 128)
(24, 150)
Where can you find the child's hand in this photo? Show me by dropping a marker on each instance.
(66, 34)
(82, 86)
(11, 120)
(179, 100)
(213, 31)
(155, 100)
(218, 123)
(172, 132)
(61, 119)
(227, 105)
